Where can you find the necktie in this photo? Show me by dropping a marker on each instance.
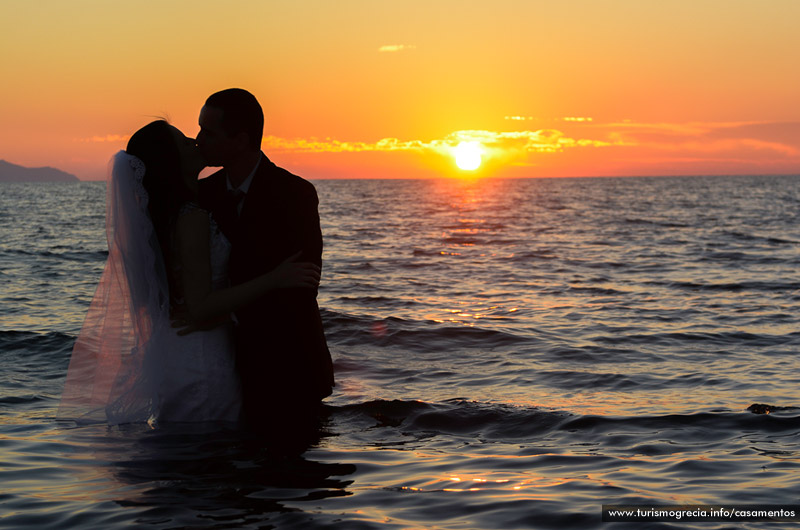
(236, 198)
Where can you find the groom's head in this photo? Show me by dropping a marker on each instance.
(231, 124)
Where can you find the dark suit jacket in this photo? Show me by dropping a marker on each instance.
(282, 356)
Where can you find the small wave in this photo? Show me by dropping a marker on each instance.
(380, 301)
(88, 256)
(414, 335)
(761, 408)
(760, 286)
(458, 417)
(765, 239)
(71, 255)
(725, 338)
(576, 380)
(594, 291)
(42, 351)
(543, 254)
(650, 222)
(20, 400)
(385, 413)
(365, 266)
(498, 421)
(490, 421)
(478, 225)
(707, 422)
(450, 337)
(32, 341)
(461, 241)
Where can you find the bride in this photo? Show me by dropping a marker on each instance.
(165, 254)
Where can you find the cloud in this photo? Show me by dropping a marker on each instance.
(602, 148)
(578, 119)
(781, 138)
(328, 145)
(500, 144)
(390, 48)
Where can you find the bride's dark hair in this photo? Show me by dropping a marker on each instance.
(154, 144)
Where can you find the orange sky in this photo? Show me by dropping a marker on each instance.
(388, 89)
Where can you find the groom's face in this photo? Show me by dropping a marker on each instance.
(217, 146)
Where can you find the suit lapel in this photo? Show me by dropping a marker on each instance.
(258, 196)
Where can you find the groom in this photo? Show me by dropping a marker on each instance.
(268, 215)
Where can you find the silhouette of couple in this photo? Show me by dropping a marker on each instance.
(206, 310)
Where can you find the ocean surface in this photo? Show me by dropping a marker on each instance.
(509, 354)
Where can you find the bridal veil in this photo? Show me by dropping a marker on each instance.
(112, 370)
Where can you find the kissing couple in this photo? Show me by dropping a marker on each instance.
(206, 310)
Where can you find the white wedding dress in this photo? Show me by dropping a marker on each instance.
(128, 364)
(198, 381)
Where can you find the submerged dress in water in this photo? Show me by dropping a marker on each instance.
(198, 381)
(128, 365)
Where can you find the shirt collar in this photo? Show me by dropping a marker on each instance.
(245, 186)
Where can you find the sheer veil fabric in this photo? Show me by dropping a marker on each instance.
(111, 372)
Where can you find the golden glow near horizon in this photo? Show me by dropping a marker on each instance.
(550, 89)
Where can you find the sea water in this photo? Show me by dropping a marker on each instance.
(508, 354)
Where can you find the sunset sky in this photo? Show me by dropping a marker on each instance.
(379, 89)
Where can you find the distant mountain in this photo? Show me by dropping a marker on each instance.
(13, 173)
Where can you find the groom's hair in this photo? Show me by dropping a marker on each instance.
(241, 112)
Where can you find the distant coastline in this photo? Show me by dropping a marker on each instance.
(14, 173)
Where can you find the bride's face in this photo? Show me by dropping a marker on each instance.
(192, 161)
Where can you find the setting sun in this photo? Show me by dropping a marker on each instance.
(468, 155)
